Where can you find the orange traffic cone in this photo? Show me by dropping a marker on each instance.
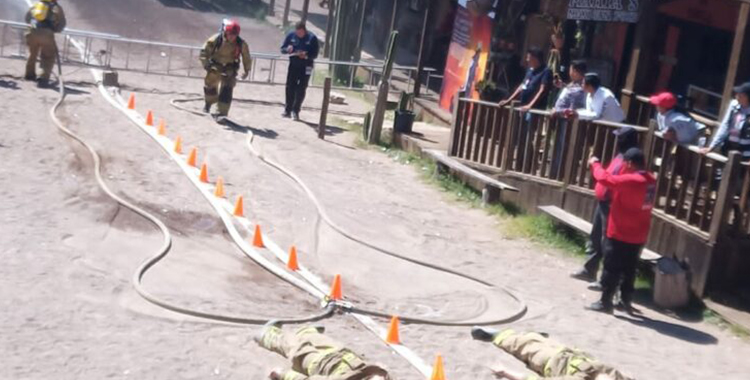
(150, 119)
(219, 192)
(204, 173)
(392, 337)
(438, 372)
(292, 264)
(239, 208)
(162, 130)
(258, 238)
(178, 145)
(192, 157)
(336, 293)
(131, 102)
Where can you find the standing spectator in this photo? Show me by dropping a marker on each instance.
(627, 138)
(734, 132)
(571, 97)
(601, 103)
(633, 194)
(533, 94)
(675, 125)
(302, 47)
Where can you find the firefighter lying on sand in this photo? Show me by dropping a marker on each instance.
(46, 18)
(221, 57)
(315, 356)
(544, 356)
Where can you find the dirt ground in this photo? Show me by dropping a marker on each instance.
(69, 310)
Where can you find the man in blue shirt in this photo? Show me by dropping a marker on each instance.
(302, 47)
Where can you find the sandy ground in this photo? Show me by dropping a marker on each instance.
(69, 310)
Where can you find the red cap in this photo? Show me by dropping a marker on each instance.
(664, 99)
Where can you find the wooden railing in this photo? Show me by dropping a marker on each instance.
(705, 194)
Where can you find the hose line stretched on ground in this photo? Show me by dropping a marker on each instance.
(166, 242)
(519, 313)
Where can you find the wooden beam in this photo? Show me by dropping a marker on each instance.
(329, 29)
(734, 60)
(642, 47)
(724, 197)
(420, 57)
(324, 109)
(360, 33)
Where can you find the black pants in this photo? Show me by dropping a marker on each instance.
(594, 249)
(297, 80)
(620, 264)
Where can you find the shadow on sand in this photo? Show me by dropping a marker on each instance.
(681, 332)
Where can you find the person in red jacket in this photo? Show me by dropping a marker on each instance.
(627, 137)
(632, 198)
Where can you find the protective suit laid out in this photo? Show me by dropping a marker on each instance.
(46, 18)
(221, 56)
(315, 356)
(550, 359)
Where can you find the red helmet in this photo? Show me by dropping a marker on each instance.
(231, 27)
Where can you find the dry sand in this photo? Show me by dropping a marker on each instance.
(69, 252)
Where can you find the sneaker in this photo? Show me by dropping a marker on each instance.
(584, 275)
(31, 77)
(483, 334)
(600, 307)
(295, 116)
(595, 286)
(286, 114)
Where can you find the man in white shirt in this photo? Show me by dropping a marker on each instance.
(601, 103)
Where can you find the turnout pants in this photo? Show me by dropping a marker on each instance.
(41, 42)
(594, 247)
(297, 80)
(314, 356)
(219, 87)
(620, 264)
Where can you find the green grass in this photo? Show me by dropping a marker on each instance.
(711, 317)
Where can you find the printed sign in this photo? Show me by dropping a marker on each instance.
(604, 10)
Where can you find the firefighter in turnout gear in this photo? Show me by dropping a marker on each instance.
(45, 18)
(315, 356)
(221, 57)
(550, 359)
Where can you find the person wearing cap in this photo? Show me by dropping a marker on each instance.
(601, 103)
(734, 131)
(676, 126)
(220, 57)
(633, 194)
(315, 356)
(626, 138)
(550, 359)
(302, 47)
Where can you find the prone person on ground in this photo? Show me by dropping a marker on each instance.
(633, 195)
(45, 18)
(626, 138)
(676, 126)
(315, 356)
(221, 56)
(734, 132)
(302, 47)
(601, 103)
(535, 86)
(550, 359)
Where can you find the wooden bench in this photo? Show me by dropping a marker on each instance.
(492, 187)
(585, 227)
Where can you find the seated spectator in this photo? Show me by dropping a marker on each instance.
(734, 131)
(676, 126)
(601, 103)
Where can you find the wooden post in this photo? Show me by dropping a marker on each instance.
(393, 17)
(305, 10)
(455, 124)
(287, 6)
(271, 8)
(383, 89)
(329, 29)
(420, 57)
(648, 142)
(571, 156)
(724, 197)
(736, 57)
(324, 108)
(642, 50)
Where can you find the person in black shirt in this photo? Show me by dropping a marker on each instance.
(302, 47)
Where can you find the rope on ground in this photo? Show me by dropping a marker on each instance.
(166, 244)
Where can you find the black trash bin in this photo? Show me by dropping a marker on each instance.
(403, 121)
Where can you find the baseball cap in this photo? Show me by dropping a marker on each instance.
(664, 99)
(634, 155)
(743, 88)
